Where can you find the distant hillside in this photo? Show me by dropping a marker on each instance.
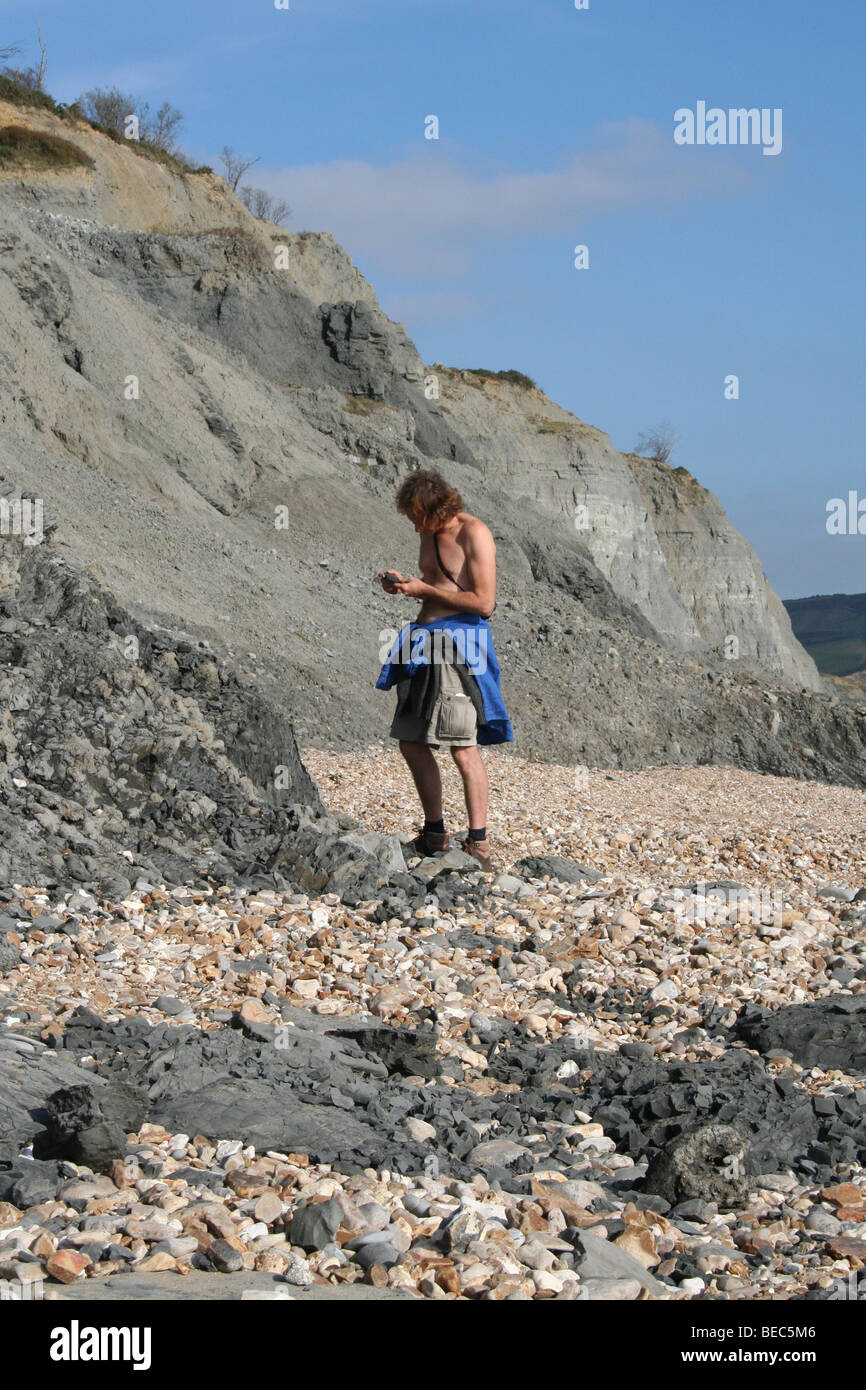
(832, 628)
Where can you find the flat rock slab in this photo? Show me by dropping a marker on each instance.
(600, 1260)
(553, 866)
(326, 1023)
(269, 1116)
(227, 1287)
(497, 1153)
(452, 861)
(608, 1290)
(825, 1033)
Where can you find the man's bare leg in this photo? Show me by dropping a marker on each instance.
(426, 776)
(475, 786)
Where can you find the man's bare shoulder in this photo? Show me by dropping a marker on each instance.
(474, 532)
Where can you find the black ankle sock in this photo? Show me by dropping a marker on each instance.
(478, 834)
(434, 827)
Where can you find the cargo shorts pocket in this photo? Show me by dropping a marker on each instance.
(456, 716)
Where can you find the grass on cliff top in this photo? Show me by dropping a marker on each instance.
(511, 376)
(21, 148)
(18, 95)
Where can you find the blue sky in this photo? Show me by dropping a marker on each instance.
(556, 128)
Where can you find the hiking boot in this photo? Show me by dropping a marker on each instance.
(428, 844)
(480, 850)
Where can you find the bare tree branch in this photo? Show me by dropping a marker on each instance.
(234, 166)
(110, 108)
(263, 205)
(43, 62)
(658, 443)
(160, 132)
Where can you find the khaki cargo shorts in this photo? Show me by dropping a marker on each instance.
(453, 723)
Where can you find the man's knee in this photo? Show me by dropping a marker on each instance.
(465, 757)
(412, 752)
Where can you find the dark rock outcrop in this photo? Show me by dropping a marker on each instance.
(29, 1074)
(88, 1124)
(342, 1091)
(645, 1104)
(127, 752)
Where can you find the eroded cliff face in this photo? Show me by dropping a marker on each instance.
(664, 542)
(540, 454)
(718, 574)
(216, 431)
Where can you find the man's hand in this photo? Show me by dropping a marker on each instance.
(412, 588)
(389, 580)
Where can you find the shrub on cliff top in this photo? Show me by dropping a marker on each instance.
(19, 94)
(659, 443)
(113, 111)
(511, 376)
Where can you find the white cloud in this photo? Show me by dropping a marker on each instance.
(428, 214)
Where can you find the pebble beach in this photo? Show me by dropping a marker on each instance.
(708, 891)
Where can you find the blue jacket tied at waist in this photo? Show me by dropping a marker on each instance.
(473, 644)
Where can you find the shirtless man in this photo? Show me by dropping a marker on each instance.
(458, 563)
